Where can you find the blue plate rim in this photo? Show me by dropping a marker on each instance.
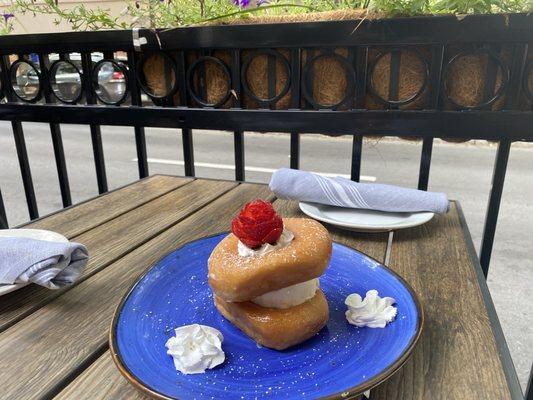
(353, 391)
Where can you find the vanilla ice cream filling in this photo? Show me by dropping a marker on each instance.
(289, 296)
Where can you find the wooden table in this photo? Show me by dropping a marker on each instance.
(53, 344)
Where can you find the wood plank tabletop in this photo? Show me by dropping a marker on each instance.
(53, 344)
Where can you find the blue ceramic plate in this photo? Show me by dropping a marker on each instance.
(341, 360)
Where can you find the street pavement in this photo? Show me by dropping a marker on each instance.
(463, 171)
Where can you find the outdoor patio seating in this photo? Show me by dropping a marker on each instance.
(55, 344)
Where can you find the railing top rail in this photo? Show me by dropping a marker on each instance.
(489, 125)
(395, 31)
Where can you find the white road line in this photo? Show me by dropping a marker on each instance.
(246, 168)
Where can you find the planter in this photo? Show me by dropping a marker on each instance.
(398, 76)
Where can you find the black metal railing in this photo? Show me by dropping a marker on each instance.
(32, 91)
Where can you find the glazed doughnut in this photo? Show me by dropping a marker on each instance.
(277, 328)
(235, 278)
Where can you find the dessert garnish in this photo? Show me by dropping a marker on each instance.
(284, 240)
(196, 348)
(257, 224)
(372, 311)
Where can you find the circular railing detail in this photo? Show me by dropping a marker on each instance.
(110, 81)
(157, 75)
(194, 75)
(26, 81)
(491, 57)
(349, 74)
(372, 84)
(265, 101)
(66, 81)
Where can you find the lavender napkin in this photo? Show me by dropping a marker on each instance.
(49, 264)
(306, 186)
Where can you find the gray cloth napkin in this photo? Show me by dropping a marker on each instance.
(49, 264)
(306, 186)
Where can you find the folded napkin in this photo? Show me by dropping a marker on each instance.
(49, 264)
(306, 186)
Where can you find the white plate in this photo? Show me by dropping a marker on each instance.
(364, 220)
(39, 234)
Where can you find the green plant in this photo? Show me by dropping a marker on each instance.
(401, 7)
(171, 13)
(79, 17)
(174, 13)
(482, 6)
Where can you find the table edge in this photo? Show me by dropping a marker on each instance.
(501, 344)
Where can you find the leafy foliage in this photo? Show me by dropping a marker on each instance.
(173, 13)
(482, 6)
(79, 17)
(401, 7)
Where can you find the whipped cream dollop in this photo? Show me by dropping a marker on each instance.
(196, 348)
(373, 311)
(289, 296)
(284, 240)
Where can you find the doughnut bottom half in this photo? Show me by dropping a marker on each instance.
(277, 328)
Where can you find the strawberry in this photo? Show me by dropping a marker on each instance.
(257, 224)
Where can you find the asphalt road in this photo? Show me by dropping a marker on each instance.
(463, 171)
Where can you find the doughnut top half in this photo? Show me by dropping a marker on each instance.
(236, 278)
